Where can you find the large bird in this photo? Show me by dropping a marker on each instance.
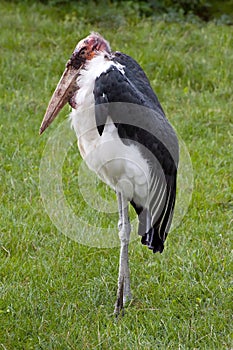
(125, 138)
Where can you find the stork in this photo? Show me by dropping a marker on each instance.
(125, 138)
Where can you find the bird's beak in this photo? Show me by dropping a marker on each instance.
(63, 92)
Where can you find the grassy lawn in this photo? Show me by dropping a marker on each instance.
(59, 294)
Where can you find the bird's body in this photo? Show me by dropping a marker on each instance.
(124, 137)
(120, 166)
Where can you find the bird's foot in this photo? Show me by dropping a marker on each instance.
(119, 310)
(119, 306)
(124, 297)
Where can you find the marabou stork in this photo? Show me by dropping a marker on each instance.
(125, 138)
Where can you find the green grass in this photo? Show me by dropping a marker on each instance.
(58, 294)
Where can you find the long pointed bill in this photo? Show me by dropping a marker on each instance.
(63, 92)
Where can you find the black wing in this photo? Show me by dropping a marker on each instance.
(127, 97)
(135, 74)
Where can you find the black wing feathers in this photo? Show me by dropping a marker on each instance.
(132, 87)
(135, 73)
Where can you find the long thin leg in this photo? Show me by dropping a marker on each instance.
(123, 291)
(121, 206)
(119, 199)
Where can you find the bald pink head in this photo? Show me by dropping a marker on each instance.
(86, 49)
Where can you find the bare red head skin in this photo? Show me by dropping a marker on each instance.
(67, 87)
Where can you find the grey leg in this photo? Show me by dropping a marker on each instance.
(119, 199)
(123, 291)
